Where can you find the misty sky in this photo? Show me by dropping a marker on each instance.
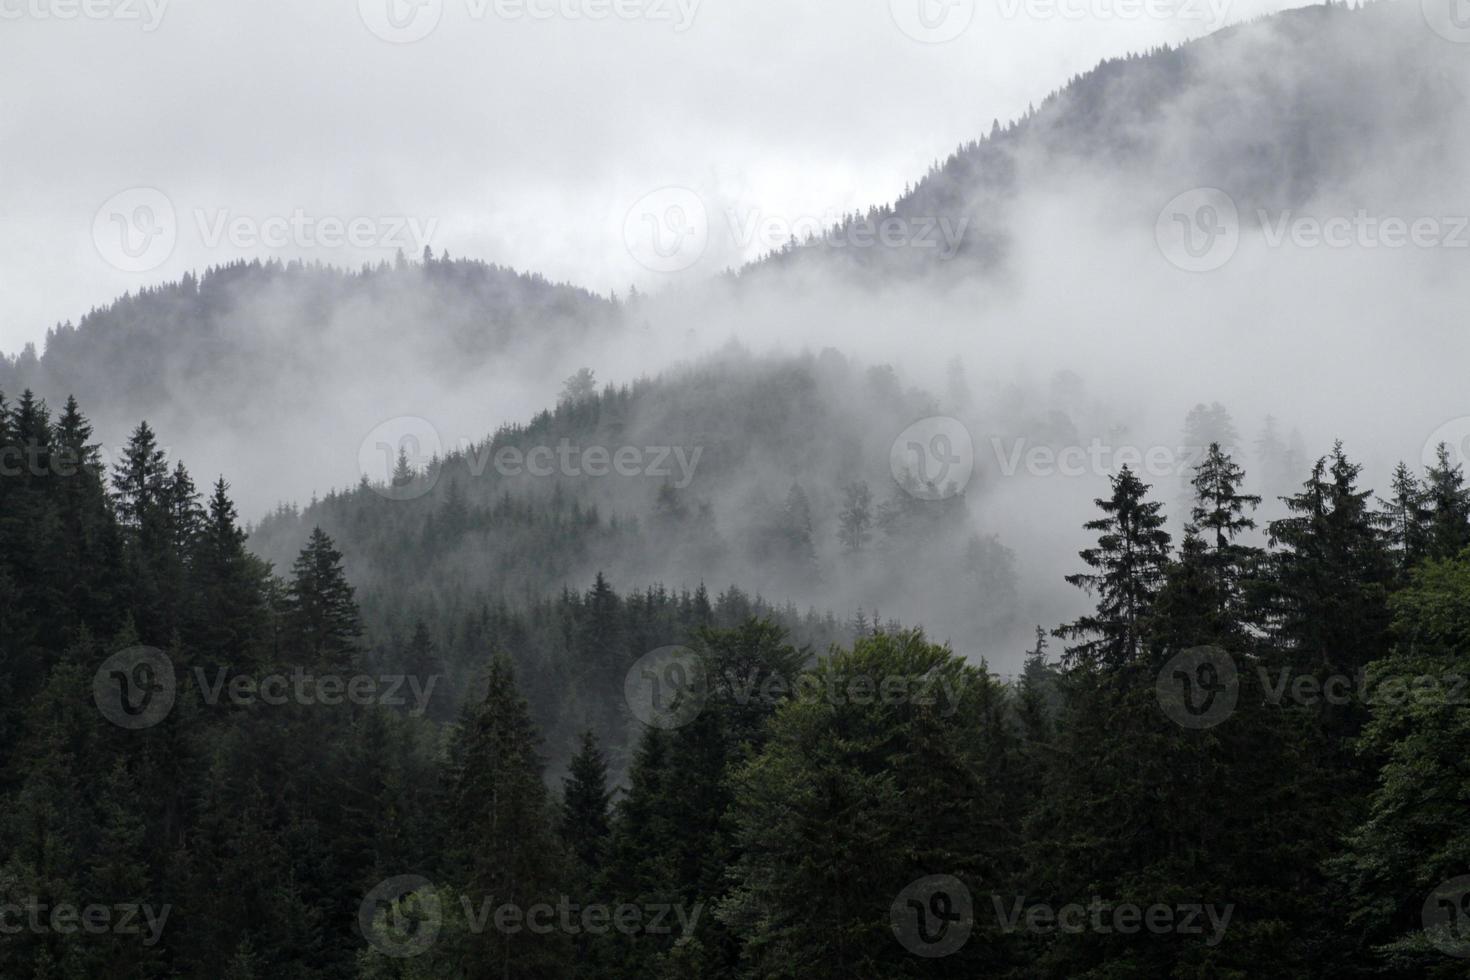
(520, 139)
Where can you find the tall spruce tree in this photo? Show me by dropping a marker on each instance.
(586, 803)
(1331, 572)
(1408, 519)
(322, 624)
(501, 843)
(1128, 567)
(1219, 515)
(1448, 500)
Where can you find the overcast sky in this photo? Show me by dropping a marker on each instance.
(142, 138)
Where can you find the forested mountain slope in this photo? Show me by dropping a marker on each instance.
(1312, 104)
(1280, 112)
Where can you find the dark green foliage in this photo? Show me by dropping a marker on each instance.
(501, 841)
(585, 806)
(1127, 572)
(783, 825)
(849, 803)
(321, 621)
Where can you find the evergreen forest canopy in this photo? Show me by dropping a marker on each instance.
(1079, 819)
(752, 709)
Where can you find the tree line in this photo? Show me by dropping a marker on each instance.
(1181, 791)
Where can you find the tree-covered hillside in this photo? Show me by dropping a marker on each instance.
(1242, 763)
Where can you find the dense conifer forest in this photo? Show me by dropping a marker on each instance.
(840, 599)
(1242, 761)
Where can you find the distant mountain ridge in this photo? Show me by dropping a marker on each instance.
(1346, 90)
(319, 355)
(210, 329)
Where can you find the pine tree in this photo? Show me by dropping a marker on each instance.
(502, 845)
(855, 521)
(1204, 425)
(602, 643)
(1036, 692)
(1128, 569)
(422, 662)
(1330, 577)
(585, 806)
(403, 471)
(1220, 514)
(90, 547)
(140, 480)
(796, 528)
(1448, 500)
(322, 622)
(1409, 516)
(230, 581)
(141, 490)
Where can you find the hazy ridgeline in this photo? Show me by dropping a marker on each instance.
(1066, 322)
(1001, 440)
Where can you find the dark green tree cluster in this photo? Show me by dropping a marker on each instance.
(244, 824)
(885, 809)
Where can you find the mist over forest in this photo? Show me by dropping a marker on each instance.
(1158, 383)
